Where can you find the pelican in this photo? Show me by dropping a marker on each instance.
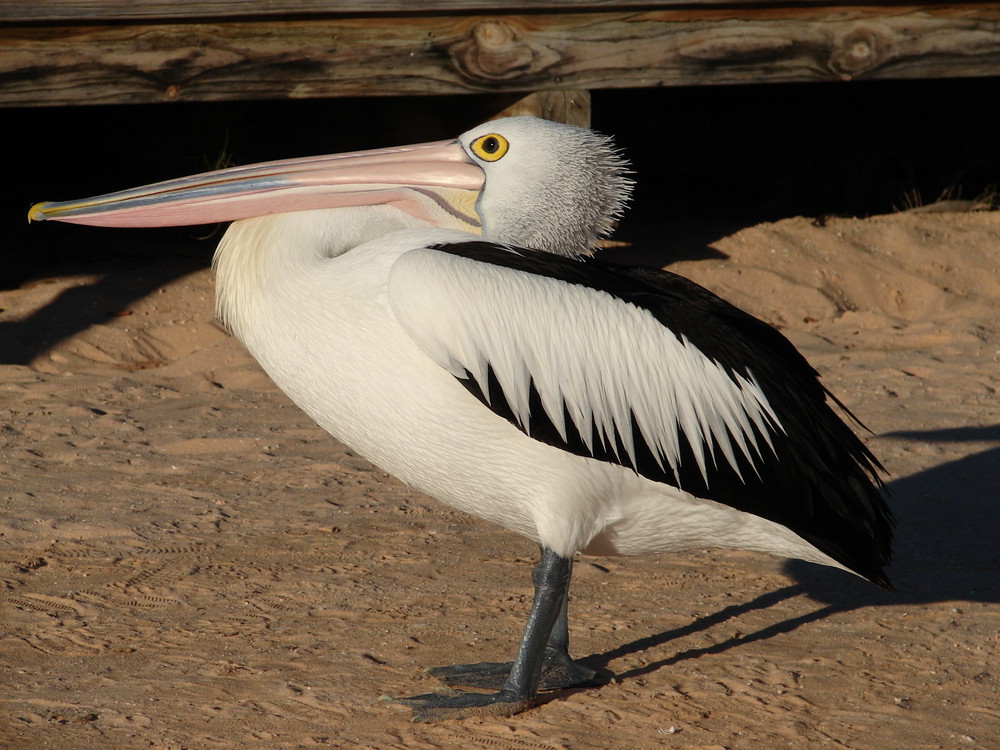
(436, 308)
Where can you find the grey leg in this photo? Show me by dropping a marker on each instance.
(559, 670)
(521, 678)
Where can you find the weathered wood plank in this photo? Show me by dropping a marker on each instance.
(474, 54)
(571, 107)
(182, 10)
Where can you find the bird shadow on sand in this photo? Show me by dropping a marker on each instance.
(946, 550)
(127, 265)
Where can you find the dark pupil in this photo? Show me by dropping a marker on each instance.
(491, 145)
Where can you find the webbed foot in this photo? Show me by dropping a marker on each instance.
(558, 673)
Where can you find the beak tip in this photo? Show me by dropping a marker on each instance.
(37, 212)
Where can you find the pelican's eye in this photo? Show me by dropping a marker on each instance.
(490, 147)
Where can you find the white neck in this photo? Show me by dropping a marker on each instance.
(268, 257)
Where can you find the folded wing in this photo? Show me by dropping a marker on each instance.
(647, 370)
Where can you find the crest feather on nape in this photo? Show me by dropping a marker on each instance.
(612, 188)
(594, 177)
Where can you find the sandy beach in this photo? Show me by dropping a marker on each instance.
(189, 562)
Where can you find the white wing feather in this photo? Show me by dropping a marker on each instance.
(590, 355)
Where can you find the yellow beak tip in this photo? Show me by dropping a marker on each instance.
(36, 213)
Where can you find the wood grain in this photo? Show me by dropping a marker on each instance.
(93, 64)
(571, 107)
(104, 10)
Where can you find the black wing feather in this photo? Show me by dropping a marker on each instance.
(821, 481)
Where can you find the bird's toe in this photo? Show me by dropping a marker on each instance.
(572, 674)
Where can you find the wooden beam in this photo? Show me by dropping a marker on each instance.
(126, 63)
(47, 11)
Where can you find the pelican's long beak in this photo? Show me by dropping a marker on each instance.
(436, 182)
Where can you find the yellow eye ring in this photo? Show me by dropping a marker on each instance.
(490, 147)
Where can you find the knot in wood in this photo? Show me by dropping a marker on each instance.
(494, 34)
(859, 51)
(494, 50)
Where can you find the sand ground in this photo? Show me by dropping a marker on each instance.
(188, 562)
